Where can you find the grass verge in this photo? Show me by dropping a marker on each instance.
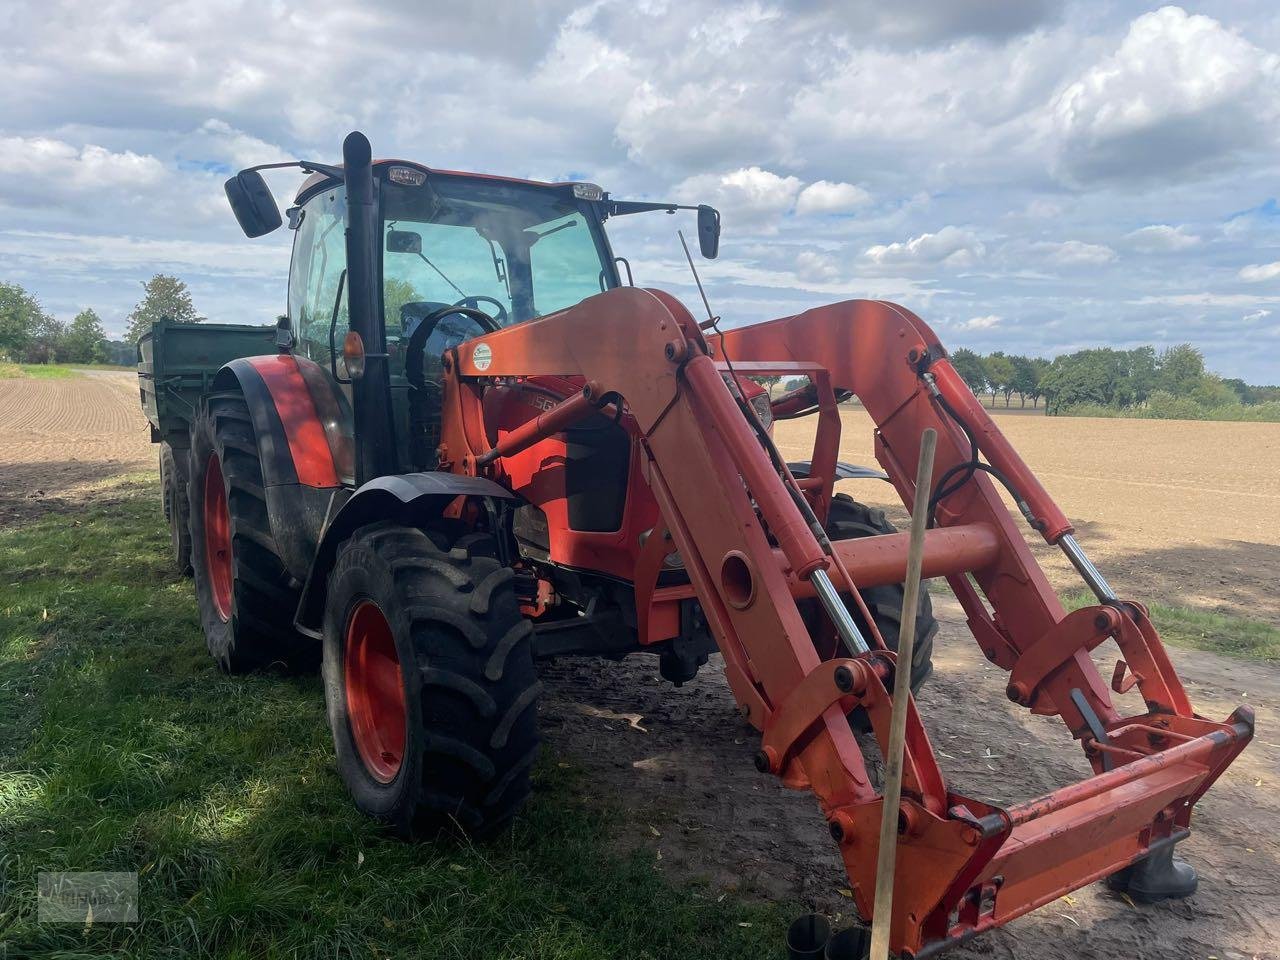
(1184, 627)
(1203, 629)
(37, 371)
(122, 748)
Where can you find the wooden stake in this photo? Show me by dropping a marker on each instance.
(886, 860)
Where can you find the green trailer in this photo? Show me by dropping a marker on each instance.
(176, 365)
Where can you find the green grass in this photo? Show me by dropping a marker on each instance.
(1203, 629)
(37, 371)
(123, 748)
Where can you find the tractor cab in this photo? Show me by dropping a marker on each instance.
(443, 257)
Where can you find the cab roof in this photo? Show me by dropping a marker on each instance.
(316, 180)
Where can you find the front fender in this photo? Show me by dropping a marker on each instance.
(410, 499)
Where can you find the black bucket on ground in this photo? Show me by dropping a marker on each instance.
(807, 937)
(851, 943)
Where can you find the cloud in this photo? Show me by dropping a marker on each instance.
(1258, 272)
(817, 267)
(1074, 253)
(950, 246)
(930, 22)
(826, 197)
(980, 323)
(1161, 238)
(751, 197)
(1180, 92)
(37, 168)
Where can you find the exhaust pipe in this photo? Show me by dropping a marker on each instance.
(371, 393)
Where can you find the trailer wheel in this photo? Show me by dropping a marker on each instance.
(174, 467)
(429, 680)
(849, 520)
(246, 597)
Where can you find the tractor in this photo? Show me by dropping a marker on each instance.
(471, 443)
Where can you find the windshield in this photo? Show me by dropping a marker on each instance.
(515, 252)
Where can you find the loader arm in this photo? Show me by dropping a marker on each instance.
(963, 865)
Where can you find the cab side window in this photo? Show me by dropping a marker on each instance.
(319, 265)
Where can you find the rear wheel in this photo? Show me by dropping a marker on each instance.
(174, 467)
(247, 598)
(849, 520)
(429, 680)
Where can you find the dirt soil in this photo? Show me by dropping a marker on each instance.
(62, 440)
(1183, 512)
(1174, 511)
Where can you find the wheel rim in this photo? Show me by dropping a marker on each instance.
(375, 691)
(217, 538)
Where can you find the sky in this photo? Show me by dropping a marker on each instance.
(1030, 176)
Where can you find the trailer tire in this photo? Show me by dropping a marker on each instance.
(174, 467)
(447, 742)
(850, 520)
(246, 597)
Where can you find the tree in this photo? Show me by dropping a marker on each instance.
(971, 369)
(84, 340)
(164, 297)
(1041, 366)
(1181, 369)
(1025, 377)
(22, 320)
(1000, 374)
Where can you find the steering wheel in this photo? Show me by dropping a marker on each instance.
(418, 341)
(473, 303)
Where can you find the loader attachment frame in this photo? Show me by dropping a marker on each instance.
(743, 527)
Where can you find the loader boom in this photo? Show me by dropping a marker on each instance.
(750, 552)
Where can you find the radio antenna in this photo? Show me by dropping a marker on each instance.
(711, 320)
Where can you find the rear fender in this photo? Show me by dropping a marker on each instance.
(302, 424)
(411, 499)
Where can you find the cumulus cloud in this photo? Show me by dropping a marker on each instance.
(1161, 238)
(1258, 272)
(980, 323)
(37, 168)
(750, 197)
(1181, 91)
(1074, 253)
(950, 246)
(817, 267)
(826, 197)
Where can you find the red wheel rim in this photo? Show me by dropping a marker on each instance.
(375, 691)
(217, 538)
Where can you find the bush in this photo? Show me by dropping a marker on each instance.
(1162, 405)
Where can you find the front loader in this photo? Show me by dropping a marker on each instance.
(476, 446)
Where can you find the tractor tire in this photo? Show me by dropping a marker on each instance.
(849, 520)
(429, 680)
(174, 467)
(247, 599)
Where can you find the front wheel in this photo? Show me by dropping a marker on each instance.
(429, 680)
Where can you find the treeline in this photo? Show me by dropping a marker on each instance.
(1172, 384)
(30, 334)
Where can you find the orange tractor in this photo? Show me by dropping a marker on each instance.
(475, 445)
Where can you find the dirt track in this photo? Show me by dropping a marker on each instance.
(1192, 500)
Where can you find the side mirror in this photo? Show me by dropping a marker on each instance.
(404, 241)
(252, 203)
(708, 231)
